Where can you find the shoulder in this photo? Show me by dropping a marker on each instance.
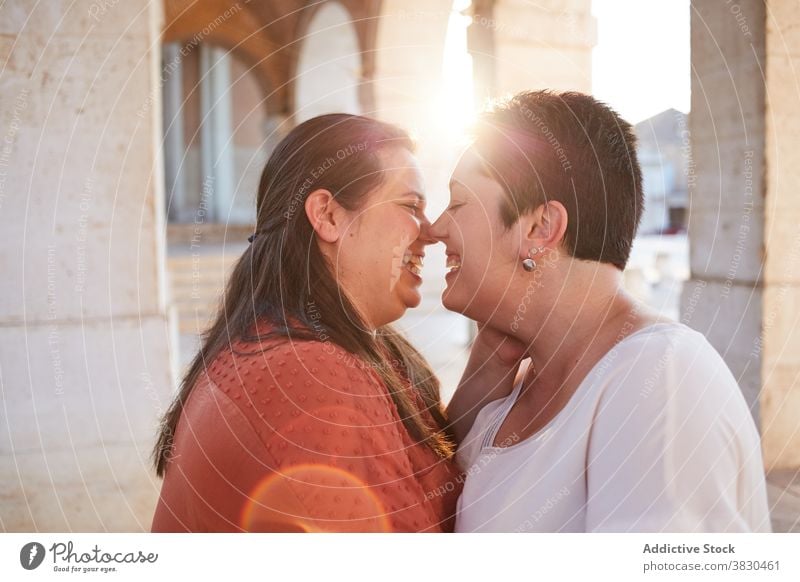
(292, 366)
(293, 386)
(666, 352)
(669, 375)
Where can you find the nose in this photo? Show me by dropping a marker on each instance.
(437, 231)
(425, 232)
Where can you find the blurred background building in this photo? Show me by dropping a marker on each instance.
(134, 134)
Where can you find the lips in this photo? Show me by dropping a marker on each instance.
(413, 262)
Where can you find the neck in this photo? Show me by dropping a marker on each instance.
(565, 332)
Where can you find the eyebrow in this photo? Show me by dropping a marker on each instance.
(455, 182)
(419, 195)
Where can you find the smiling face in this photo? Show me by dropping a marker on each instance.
(379, 254)
(482, 255)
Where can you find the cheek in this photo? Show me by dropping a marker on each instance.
(400, 227)
(487, 254)
(410, 225)
(354, 252)
(476, 237)
(382, 237)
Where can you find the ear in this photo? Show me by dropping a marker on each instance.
(545, 227)
(321, 210)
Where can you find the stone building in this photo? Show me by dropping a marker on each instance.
(131, 132)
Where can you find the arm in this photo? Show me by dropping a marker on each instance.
(490, 373)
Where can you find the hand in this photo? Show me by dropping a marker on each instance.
(491, 343)
(493, 363)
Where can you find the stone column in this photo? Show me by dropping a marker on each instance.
(85, 366)
(780, 401)
(174, 149)
(744, 292)
(276, 126)
(518, 45)
(216, 131)
(408, 62)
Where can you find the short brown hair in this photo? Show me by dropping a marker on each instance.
(569, 147)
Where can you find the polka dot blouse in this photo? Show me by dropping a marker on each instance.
(297, 436)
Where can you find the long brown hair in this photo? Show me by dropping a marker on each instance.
(283, 272)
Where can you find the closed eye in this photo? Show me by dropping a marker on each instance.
(415, 209)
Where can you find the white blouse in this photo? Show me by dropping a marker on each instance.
(657, 437)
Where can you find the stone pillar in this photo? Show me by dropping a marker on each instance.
(85, 367)
(276, 127)
(408, 73)
(174, 149)
(518, 45)
(780, 401)
(216, 131)
(744, 292)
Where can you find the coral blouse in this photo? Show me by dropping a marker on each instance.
(300, 436)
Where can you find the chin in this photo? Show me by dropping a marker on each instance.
(411, 300)
(472, 307)
(408, 295)
(398, 310)
(451, 301)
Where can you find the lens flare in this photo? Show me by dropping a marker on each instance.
(313, 498)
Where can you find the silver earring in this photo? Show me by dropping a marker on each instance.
(529, 264)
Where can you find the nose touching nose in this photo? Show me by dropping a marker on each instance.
(431, 233)
(426, 234)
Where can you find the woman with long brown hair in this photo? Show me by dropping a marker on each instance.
(304, 410)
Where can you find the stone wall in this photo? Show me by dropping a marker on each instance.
(85, 363)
